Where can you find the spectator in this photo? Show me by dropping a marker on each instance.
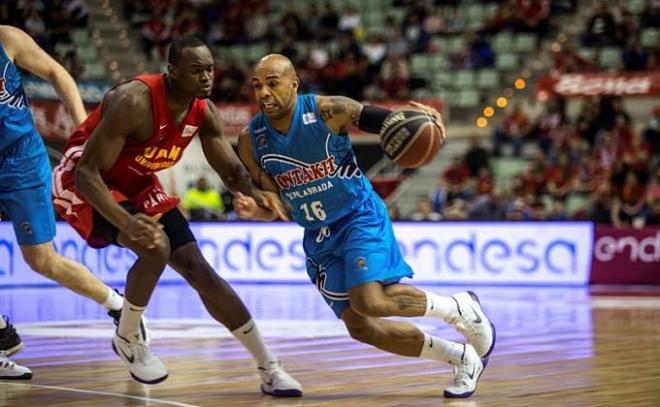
(425, 210)
(78, 12)
(490, 206)
(155, 35)
(557, 210)
(601, 28)
(329, 22)
(456, 177)
(652, 131)
(515, 128)
(476, 157)
(566, 59)
(600, 211)
(256, 25)
(628, 209)
(202, 202)
(394, 77)
(634, 56)
(394, 212)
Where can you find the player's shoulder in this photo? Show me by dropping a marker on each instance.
(11, 37)
(133, 96)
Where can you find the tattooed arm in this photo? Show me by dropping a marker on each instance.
(339, 113)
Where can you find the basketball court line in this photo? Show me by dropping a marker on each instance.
(101, 393)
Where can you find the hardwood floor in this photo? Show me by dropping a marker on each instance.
(554, 348)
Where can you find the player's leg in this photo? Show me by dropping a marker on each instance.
(462, 310)
(129, 343)
(30, 208)
(225, 305)
(405, 339)
(401, 338)
(68, 273)
(373, 267)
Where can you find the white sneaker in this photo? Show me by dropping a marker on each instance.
(13, 371)
(473, 324)
(278, 383)
(141, 363)
(466, 374)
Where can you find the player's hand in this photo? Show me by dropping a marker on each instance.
(271, 201)
(275, 204)
(245, 206)
(145, 230)
(433, 112)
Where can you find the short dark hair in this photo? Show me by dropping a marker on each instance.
(179, 44)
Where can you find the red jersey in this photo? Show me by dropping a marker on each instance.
(132, 177)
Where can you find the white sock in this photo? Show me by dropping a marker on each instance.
(249, 336)
(129, 324)
(114, 301)
(3, 323)
(441, 349)
(440, 306)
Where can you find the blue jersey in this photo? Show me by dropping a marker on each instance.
(314, 167)
(15, 117)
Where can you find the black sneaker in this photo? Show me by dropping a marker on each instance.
(10, 342)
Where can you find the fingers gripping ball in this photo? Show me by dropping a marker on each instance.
(411, 138)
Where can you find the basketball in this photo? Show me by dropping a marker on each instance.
(411, 138)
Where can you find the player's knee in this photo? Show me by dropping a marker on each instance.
(44, 263)
(160, 253)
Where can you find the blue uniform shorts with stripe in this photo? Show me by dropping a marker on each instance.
(25, 190)
(358, 249)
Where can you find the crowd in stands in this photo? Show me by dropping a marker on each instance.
(49, 22)
(598, 159)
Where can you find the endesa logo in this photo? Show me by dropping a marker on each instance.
(490, 253)
(634, 247)
(508, 253)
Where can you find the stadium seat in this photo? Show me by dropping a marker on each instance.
(441, 80)
(488, 79)
(502, 42)
(96, 70)
(650, 37)
(87, 53)
(506, 62)
(79, 37)
(525, 43)
(610, 57)
(468, 98)
(463, 79)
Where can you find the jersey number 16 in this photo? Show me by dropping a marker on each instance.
(316, 213)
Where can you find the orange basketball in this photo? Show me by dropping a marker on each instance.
(411, 138)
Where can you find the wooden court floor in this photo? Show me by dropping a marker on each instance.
(553, 350)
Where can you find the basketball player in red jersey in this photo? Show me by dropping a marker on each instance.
(106, 188)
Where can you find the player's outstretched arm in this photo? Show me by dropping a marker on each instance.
(225, 162)
(29, 56)
(341, 114)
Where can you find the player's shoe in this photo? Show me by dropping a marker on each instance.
(144, 329)
(466, 374)
(141, 363)
(10, 342)
(277, 382)
(473, 323)
(11, 370)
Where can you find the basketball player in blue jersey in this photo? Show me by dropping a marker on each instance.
(25, 182)
(298, 146)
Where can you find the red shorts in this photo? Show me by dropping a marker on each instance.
(72, 206)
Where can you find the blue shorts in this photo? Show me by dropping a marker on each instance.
(360, 248)
(25, 190)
